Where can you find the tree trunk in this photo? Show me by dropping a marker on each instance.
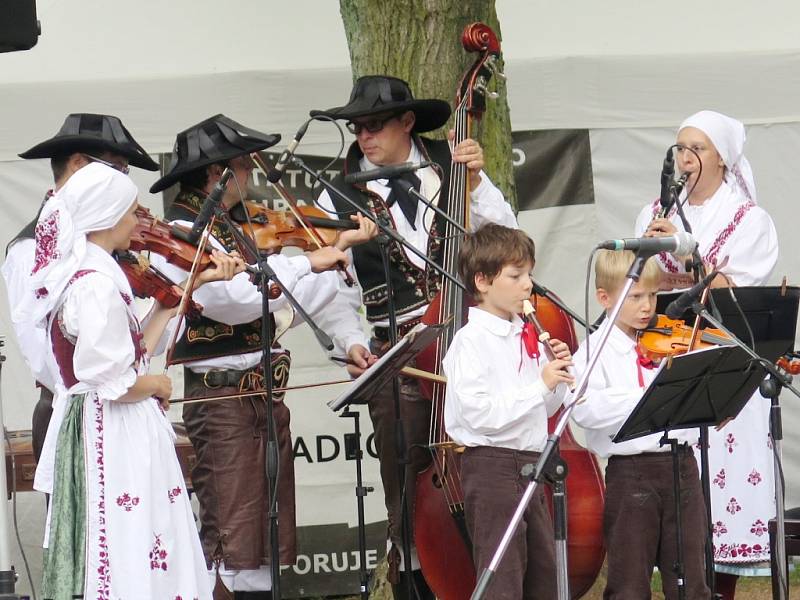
(420, 41)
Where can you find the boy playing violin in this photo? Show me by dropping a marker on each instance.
(498, 399)
(639, 525)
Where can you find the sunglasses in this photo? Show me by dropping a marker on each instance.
(124, 169)
(373, 125)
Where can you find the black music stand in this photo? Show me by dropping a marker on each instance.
(373, 379)
(693, 390)
(388, 366)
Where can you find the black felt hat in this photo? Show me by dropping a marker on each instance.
(214, 140)
(374, 94)
(85, 132)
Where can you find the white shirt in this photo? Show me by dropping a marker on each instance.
(487, 204)
(724, 226)
(495, 395)
(239, 301)
(32, 338)
(613, 392)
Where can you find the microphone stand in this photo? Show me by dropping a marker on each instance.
(8, 576)
(262, 278)
(548, 460)
(699, 270)
(385, 228)
(771, 388)
(409, 189)
(388, 234)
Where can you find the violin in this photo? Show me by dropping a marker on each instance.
(670, 337)
(790, 363)
(274, 229)
(309, 218)
(147, 282)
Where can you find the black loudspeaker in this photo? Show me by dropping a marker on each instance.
(19, 28)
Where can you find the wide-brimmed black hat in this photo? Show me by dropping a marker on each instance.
(374, 94)
(214, 140)
(85, 132)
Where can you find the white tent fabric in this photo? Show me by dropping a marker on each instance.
(628, 71)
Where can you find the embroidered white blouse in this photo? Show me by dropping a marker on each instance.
(726, 225)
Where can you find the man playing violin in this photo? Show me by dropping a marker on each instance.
(222, 355)
(387, 122)
(83, 138)
(639, 513)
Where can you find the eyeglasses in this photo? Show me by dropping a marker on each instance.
(373, 125)
(124, 169)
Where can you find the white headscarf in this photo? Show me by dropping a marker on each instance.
(728, 137)
(94, 198)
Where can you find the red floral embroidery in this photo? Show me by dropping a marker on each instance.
(126, 502)
(158, 556)
(46, 235)
(174, 493)
(41, 293)
(741, 551)
(758, 528)
(754, 478)
(719, 528)
(733, 506)
(719, 480)
(104, 570)
(126, 298)
(711, 255)
(730, 442)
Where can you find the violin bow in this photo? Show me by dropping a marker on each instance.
(187, 291)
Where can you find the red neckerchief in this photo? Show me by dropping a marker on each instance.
(642, 362)
(529, 342)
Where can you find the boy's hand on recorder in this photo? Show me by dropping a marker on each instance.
(555, 372)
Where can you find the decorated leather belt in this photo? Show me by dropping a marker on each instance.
(246, 379)
(382, 333)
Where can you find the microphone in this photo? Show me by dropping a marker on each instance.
(210, 204)
(274, 176)
(389, 172)
(667, 172)
(682, 303)
(679, 243)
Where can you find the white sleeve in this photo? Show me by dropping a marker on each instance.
(340, 318)
(95, 313)
(31, 337)
(643, 220)
(473, 404)
(487, 205)
(238, 300)
(752, 250)
(606, 407)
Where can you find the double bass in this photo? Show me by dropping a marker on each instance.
(441, 537)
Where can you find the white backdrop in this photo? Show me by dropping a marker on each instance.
(628, 71)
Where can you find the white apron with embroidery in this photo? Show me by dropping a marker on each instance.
(740, 455)
(141, 536)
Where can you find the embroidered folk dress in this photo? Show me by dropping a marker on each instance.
(139, 535)
(727, 225)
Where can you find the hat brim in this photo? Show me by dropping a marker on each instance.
(63, 145)
(429, 114)
(180, 170)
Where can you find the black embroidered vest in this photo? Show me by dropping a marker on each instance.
(413, 287)
(205, 338)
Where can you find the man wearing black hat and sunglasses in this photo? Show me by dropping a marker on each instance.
(387, 120)
(83, 138)
(221, 353)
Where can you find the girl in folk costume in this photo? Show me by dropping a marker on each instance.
(735, 233)
(120, 524)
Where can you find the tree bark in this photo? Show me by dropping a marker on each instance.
(420, 41)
